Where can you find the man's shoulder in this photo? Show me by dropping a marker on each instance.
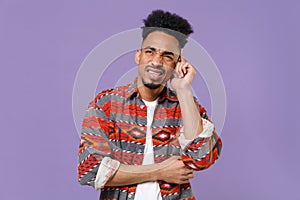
(107, 94)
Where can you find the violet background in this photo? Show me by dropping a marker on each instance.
(255, 45)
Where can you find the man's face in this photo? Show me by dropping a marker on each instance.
(157, 59)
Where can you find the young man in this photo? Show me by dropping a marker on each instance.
(143, 140)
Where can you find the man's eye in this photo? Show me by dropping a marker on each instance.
(148, 51)
(168, 58)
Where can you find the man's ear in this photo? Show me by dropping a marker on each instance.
(137, 56)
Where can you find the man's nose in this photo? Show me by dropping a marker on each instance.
(157, 59)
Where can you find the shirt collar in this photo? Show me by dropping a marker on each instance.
(166, 93)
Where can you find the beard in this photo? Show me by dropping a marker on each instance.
(151, 85)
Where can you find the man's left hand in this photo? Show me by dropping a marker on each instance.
(185, 73)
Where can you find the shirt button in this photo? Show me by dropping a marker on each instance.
(140, 150)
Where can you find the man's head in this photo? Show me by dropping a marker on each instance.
(171, 24)
(164, 35)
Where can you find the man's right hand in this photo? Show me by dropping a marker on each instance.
(173, 170)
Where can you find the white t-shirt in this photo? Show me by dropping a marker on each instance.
(151, 190)
(148, 190)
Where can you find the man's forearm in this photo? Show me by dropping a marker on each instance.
(172, 170)
(192, 120)
(133, 174)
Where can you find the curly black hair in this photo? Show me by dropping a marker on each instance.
(171, 24)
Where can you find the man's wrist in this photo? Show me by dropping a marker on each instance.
(181, 92)
(157, 172)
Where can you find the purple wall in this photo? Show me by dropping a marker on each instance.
(255, 45)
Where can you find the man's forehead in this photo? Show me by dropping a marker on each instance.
(162, 41)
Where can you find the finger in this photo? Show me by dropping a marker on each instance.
(185, 179)
(182, 69)
(178, 70)
(185, 68)
(192, 173)
(182, 56)
(190, 176)
(189, 171)
(185, 182)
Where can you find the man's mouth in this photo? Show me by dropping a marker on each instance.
(155, 72)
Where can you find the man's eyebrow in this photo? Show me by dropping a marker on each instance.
(150, 47)
(168, 53)
(164, 52)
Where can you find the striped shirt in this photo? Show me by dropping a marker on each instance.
(114, 132)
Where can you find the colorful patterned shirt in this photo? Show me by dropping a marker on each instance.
(114, 131)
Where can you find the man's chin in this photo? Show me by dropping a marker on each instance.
(152, 85)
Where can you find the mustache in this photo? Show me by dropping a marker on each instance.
(157, 67)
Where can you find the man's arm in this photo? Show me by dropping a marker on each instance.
(98, 168)
(95, 152)
(205, 146)
(192, 121)
(172, 170)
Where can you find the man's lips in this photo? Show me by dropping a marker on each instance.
(155, 71)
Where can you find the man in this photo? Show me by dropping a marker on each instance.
(143, 140)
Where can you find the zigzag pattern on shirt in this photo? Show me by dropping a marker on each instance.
(115, 126)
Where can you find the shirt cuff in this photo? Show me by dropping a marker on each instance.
(106, 170)
(207, 131)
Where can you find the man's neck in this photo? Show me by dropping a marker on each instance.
(147, 93)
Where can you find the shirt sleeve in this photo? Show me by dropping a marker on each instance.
(201, 152)
(107, 169)
(95, 157)
(207, 131)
